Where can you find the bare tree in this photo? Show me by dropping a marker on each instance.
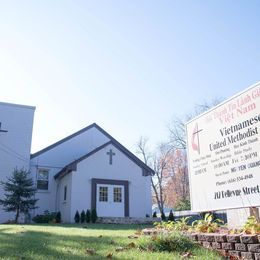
(177, 126)
(159, 162)
(170, 181)
(177, 172)
(178, 169)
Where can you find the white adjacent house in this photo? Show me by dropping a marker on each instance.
(16, 123)
(90, 169)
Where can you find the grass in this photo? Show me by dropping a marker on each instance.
(71, 242)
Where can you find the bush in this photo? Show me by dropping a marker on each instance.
(207, 225)
(171, 216)
(182, 204)
(94, 215)
(40, 219)
(179, 225)
(163, 216)
(58, 217)
(155, 215)
(164, 225)
(182, 224)
(82, 216)
(251, 226)
(88, 216)
(212, 213)
(168, 242)
(77, 217)
(46, 217)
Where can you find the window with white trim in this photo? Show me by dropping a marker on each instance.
(43, 179)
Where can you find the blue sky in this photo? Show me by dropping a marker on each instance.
(129, 66)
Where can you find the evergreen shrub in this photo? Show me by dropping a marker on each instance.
(77, 217)
(82, 216)
(171, 216)
(88, 216)
(94, 215)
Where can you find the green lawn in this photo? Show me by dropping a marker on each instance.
(72, 241)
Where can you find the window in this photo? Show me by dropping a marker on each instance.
(103, 193)
(65, 193)
(43, 179)
(118, 194)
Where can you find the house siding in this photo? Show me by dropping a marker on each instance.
(97, 166)
(57, 158)
(65, 206)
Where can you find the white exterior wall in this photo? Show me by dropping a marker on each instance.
(15, 145)
(60, 156)
(46, 198)
(65, 206)
(123, 168)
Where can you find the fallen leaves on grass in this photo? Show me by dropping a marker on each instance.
(109, 255)
(91, 251)
(186, 255)
(133, 237)
(119, 249)
(131, 245)
(100, 236)
(138, 232)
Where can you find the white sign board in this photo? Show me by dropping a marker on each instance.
(224, 154)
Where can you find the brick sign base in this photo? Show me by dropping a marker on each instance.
(237, 246)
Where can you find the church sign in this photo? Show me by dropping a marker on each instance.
(224, 154)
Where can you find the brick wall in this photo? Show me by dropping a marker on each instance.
(240, 246)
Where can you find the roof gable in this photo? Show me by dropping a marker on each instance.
(46, 149)
(69, 167)
(73, 165)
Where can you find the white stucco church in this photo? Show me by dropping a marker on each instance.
(88, 169)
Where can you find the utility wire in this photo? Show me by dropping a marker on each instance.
(12, 151)
(14, 155)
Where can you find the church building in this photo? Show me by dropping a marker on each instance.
(88, 169)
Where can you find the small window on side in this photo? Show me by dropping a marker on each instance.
(65, 193)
